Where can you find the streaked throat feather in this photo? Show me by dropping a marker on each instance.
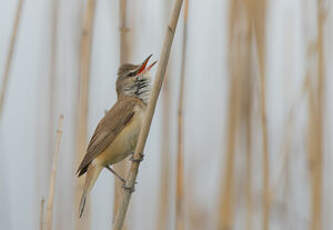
(140, 89)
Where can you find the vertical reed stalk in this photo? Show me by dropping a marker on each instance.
(123, 30)
(124, 53)
(164, 190)
(257, 9)
(266, 170)
(41, 215)
(53, 69)
(236, 40)
(49, 210)
(52, 75)
(248, 189)
(10, 55)
(162, 65)
(180, 149)
(316, 132)
(315, 161)
(81, 132)
(247, 111)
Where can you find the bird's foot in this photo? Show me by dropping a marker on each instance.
(129, 189)
(137, 159)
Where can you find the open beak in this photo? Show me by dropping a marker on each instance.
(142, 67)
(150, 66)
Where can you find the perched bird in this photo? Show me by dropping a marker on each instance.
(116, 134)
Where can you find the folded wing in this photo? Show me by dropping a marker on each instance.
(107, 130)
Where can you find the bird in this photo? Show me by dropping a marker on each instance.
(116, 134)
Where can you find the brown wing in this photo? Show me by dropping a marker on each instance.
(107, 129)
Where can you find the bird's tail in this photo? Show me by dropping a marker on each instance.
(91, 177)
(83, 202)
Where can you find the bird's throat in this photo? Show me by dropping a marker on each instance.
(140, 89)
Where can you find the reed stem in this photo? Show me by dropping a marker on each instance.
(50, 202)
(163, 62)
(180, 149)
(81, 128)
(122, 166)
(10, 55)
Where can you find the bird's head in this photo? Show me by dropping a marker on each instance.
(135, 80)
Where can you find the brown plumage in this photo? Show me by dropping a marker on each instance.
(116, 134)
(107, 129)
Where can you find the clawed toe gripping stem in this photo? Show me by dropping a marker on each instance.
(137, 159)
(130, 189)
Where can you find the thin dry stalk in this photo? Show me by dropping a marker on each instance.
(123, 30)
(226, 211)
(257, 10)
(247, 100)
(285, 156)
(246, 110)
(149, 114)
(122, 166)
(316, 132)
(180, 149)
(50, 201)
(248, 189)
(226, 207)
(266, 170)
(284, 175)
(81, 132)
(164, 191)
(315, 162)
(164, 203)
(10, 54)
(41, 214)
(288, 138)
(53, 69)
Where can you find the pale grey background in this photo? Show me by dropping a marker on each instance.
(25, 159)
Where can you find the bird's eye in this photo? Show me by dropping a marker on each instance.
(131, 74)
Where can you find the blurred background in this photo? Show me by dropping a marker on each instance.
(247, 145)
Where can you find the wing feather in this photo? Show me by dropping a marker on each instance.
(107, 130)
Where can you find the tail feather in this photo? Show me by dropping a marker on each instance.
(91, 177)
(82, 203)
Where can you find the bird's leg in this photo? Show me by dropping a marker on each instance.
(116, 174)
(137, 159)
